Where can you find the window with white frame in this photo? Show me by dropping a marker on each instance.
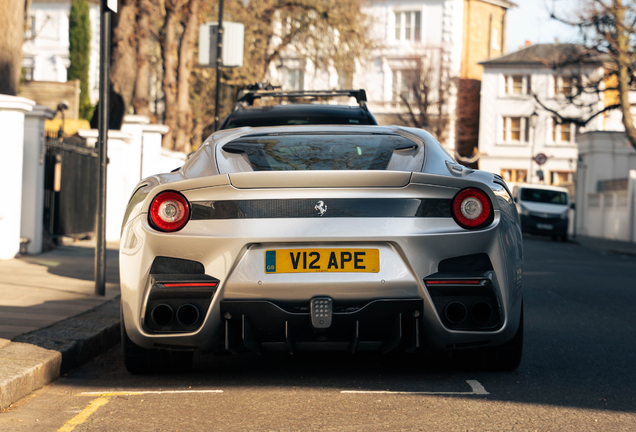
(516, 129)
(566, 85)
(561, 177)
(402, 86)
(563, 132)
(408, 26)
(517, 84)
(512, 175)
(293, 79)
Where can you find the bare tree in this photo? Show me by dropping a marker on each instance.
(425, 92)
(330, 33)
(141, 95)
(607, 28)
(11, 38)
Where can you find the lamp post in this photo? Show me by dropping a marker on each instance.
(533, 122)
(106, 7)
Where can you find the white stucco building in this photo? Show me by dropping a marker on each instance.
(46, 43)
(514, 128)
(453, 35)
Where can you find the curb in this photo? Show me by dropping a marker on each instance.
(32, 360)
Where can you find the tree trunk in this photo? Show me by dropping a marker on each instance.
(623, 42)
(141, 98)
(186, 55)
(11, 38)
(123, 60)
(623, 90)
(169, 82)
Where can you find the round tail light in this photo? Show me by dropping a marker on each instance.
(169, 211)
(472, 209)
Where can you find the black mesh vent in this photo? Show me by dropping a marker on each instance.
(167, 265)
(308, 208)
(473, 263)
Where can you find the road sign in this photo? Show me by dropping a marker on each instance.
(112, 5)
(540, 159)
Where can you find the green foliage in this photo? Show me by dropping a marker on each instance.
(79, 52)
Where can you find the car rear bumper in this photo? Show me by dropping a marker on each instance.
(412, 250)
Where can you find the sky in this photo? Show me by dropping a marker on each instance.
(531, 21)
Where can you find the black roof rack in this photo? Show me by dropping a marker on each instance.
(248, 96)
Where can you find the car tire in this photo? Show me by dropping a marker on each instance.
(142, 361)
(507, 357)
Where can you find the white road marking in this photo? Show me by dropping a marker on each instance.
(477, 388)
(144, 392)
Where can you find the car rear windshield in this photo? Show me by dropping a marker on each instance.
(544, 196)
(319, 152)
(296, 120)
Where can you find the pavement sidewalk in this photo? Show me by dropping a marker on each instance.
(50, 318)
(605, 245)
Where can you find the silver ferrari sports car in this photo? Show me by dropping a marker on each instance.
(301, 238)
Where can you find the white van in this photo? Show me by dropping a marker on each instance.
(543, 209)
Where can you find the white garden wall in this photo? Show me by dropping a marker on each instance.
(12, 110)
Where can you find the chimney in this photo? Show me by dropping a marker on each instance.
(528, 43)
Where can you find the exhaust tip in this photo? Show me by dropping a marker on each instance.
(162, 315)
(187, 315)
(456, 312)
(481, 312)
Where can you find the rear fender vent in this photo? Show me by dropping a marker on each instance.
(468, 263)
(167, 265)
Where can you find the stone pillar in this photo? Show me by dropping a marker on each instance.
(134, 125)
(12, 110)
(151, 149)
(122, 174)
(33, 178)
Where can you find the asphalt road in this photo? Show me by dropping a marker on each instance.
(577, 374)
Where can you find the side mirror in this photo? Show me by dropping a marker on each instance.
(573, 206)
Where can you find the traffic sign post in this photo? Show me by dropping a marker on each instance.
(540, 159)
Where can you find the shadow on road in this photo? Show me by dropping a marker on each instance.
(579, 350)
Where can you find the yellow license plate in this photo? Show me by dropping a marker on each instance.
(322, 260)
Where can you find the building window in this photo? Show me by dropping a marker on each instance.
(566, 85)
(561, 177)
(517, 84)
(516, 129)
(514, 175)
(402, 86)
(563, 132)
(27, 73)
(293, 79)
(408, 26)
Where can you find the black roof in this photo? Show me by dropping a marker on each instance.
(547, 55)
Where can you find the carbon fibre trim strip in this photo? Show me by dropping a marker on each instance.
(310, 208)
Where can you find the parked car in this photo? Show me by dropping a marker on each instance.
(297, 109)
(321, 238)
(543, 210)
